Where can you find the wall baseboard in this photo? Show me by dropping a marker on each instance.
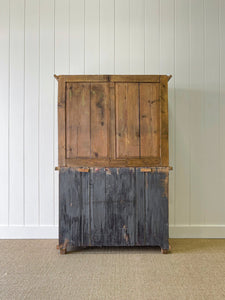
(28, 232)
(197, 231)
(51, 232)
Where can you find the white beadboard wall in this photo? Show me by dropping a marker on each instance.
(185, 38)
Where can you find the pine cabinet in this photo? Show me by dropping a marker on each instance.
(113, 160)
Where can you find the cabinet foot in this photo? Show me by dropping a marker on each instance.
(164, 251)
(62, 247)
(63, 251)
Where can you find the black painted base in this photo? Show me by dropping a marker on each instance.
(113, 207)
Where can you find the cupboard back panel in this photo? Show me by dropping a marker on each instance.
(87, 120)
(113, 121)
(137, 120)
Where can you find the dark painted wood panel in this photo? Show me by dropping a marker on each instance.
(99, 119)
(78, 120)
(70, 207)
(113, 207)
(120, 199)
(140, 209)
(150, 119)
(156, 195)
(98, 208)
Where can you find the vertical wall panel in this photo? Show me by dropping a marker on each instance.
(107, 36)
(92, 41)
(16, 134)
(137, 36)
(31, 117)
(183, 37)
(222, 100)
(196, 99)
(4, 111)
(46, 112)
(152, 37)
(167, 60)
(122, 37)
(76, 38)
(213, 213)
(62, 65)
(182, 149)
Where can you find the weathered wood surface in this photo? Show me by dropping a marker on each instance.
(113, 120)
(113, 207)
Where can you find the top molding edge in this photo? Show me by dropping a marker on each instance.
(112, 78)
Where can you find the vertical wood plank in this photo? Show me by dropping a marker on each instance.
(16, 134)
(98, 208)
(213, 213)
(78, 119)
(4, 111)
(137, 36)
(152, 37)
(140, 238)
(127, 119)
(167, 66)
(112, 121)
(92, 59)
(182, 167)
(31, 117)
(61, 57)
(62, 49)
(62, 122)
(133, 124)
(120, 207)
(48, 211)
(70, 207)
(99, 119)
(122, 37)
(121, 118)
(196, 111)
(164, 120)
(106, 51)
(149, 119)
(222, 99)
(76, 36)
(85, 186)
(156, 197)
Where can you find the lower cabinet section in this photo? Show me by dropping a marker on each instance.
(113, 207)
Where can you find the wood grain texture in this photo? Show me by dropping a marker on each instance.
(106, 162)
(127, 119)
(61, 123)
(117, 207)
(111, 120)
(78, 101)
(134, 78)
(164, 120)
(99, 119)
(149, 119)
(83, 78)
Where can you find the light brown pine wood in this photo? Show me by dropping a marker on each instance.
(113, 120)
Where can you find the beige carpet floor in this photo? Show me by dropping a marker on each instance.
(34, 269)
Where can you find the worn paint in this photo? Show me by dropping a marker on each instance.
(129, 207)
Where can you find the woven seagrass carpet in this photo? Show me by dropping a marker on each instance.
(34, 269)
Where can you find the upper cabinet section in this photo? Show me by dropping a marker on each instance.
(113, 121)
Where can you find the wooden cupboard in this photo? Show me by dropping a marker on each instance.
(113, 160)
